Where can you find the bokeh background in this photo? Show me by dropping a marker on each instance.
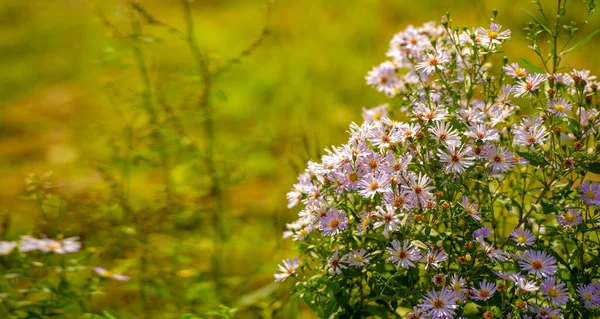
(70, 102)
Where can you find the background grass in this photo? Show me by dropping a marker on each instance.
(69, 101)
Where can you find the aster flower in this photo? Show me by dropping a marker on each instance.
(389, 220)
(590, 193)
(544, 312)
(432, 62)
(372, 161)
(440, 304)
(375, 114)
(418, 189)
(589, 295)
(335, 265)
(457, 159)
(486, 291)
(537, 263)
(482, 133)
(383, 77)
(108, 274)
(445, 134)
(500, 159)
(403, 255)
(6, 247)
(287, 269)
(357, 258)
(459, 285)
(383, 137)
(492, 36)
(530, 85)
(481, 233)
(559, 107)
(523, 284)
(434, 258)
(514, 70)
(334, 222)
(496, 255)
(571, 218)
(417, 313)
(523, 237)
(28, 243)
(365, 222)
(67, 245)
(373, 184)
(470, 208)
(555, 291)
(531, 137)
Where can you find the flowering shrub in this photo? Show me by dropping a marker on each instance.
(478, 204)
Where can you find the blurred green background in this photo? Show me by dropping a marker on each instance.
(70, 103)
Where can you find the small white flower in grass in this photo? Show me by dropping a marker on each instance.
(6, 247)
(335, 265)
(384, 78)
(500, 159)
(108, 274)
(434, 258)
(287, 269)
(67, 245)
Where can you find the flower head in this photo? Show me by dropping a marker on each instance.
(287, 269)
(334, 222)
(357, 258)
(590, 193)
(571, 218)
(555, 291)
(537, 263)
(403, 255)
(486, 291)
(440, 304)
(523, 237)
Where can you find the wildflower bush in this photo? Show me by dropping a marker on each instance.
(469, 194)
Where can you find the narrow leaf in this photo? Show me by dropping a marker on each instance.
(582, 42)
(530, 66)
(539, 22)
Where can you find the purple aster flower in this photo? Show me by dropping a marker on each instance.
(523, 237)
(334, 222)
(495, 255)
(440, 304)
(530, 84)
(287, 269)
(67, 245)
(500, 159)
(459, 285)
(571, 218)
(375, 114)
(471, 208)
(492, 36)
(457, 159)
(543, 312)
(537, 263)
(559, 107)
(523, 284)
(445, 134)
(589, 295)
(434, 257)
(481, 233)
(432, 62)
(514, 70)
(590, 193)
(388, 219)
(418, 189)
(555, 291)
(417, 313)
(373, 184)
(486, 291)
(334, 264)
(482, 133)
(357, 258)
(384, 78)
(404, 255)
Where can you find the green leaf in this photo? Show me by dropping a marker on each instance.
(107, 315)
(531, 67)
(594, 167)
(574, 127)
(539, 22)
(581, 43)
(533, 159)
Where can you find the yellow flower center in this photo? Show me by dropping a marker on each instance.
(553, 293)
(520, 72)
(492, 34)
(377, 116)
(522, 239)
(559, 107)
(569, 217)
(358, 258)
(590, 195)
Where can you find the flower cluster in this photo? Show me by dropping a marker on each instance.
(28, 244)
(481, 197)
